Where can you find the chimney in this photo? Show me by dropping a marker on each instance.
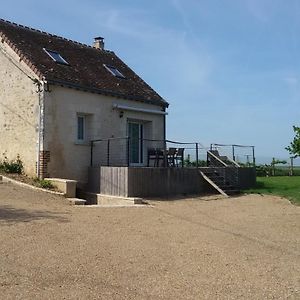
(99, 43)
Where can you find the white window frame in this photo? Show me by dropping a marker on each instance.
(141, 136)
(62, 60)
(117, 73)
(83, 140)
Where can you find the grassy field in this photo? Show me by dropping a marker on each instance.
(285, 186)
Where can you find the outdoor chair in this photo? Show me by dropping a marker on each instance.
(156, 155)
(152, 156)
(179, 157)
(171, 156)
(160, 156)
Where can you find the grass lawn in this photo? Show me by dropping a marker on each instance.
(285, 186)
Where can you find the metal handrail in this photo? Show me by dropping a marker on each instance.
(235, 145)
(196, 146)
(233, 178)
(109, 139)
(217, 158)
(233, 161)
(150, 140)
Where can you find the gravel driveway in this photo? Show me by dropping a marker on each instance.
(239, 248)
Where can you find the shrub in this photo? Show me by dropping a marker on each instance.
(12, 166)
(45, 184)
(263, 170)
(188, 163)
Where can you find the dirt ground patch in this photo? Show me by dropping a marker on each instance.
(239, 248)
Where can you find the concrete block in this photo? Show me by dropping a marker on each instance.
(91, 198)
(76, 201)
(116, 200)
(66, 186)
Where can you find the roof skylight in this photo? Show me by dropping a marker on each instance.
(114, 71)
(56, 56)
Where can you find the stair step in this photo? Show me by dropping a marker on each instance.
(217, 181)
(76, 201)
(216, 178)
(211, 172)
(227, 188)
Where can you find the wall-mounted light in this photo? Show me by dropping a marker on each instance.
(121, 114)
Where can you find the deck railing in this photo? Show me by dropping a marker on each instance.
(120, 151)
(241, 154)
(123, 151)
(227, 167)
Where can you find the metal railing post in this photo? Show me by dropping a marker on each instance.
(233, 154)
(197, 155)
(92, 145)
(108, 150)
(253, 155)
(207, 158)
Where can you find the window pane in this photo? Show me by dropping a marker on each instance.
(114, 71)
(80, 128)
(135, 131)
(56, 56)
(118, 73)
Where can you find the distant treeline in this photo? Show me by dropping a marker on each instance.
(268, 170)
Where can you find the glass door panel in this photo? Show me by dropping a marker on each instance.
(135, 132)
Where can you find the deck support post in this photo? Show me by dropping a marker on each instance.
(253, 155)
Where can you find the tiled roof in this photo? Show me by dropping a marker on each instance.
(85, 70)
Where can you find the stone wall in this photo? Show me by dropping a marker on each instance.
(19, 110)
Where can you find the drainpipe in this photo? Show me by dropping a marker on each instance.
(40, 125)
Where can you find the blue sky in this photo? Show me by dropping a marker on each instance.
(230, 69)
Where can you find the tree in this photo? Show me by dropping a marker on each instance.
(276, 162)
(294, 147)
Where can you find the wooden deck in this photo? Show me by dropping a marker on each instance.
(155, 182)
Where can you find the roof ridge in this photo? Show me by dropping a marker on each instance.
(52, 35)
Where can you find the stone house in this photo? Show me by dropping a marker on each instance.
(56, 95)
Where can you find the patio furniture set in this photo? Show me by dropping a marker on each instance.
(172, 157)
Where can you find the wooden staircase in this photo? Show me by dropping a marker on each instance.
(215, 179)
(221, 173)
